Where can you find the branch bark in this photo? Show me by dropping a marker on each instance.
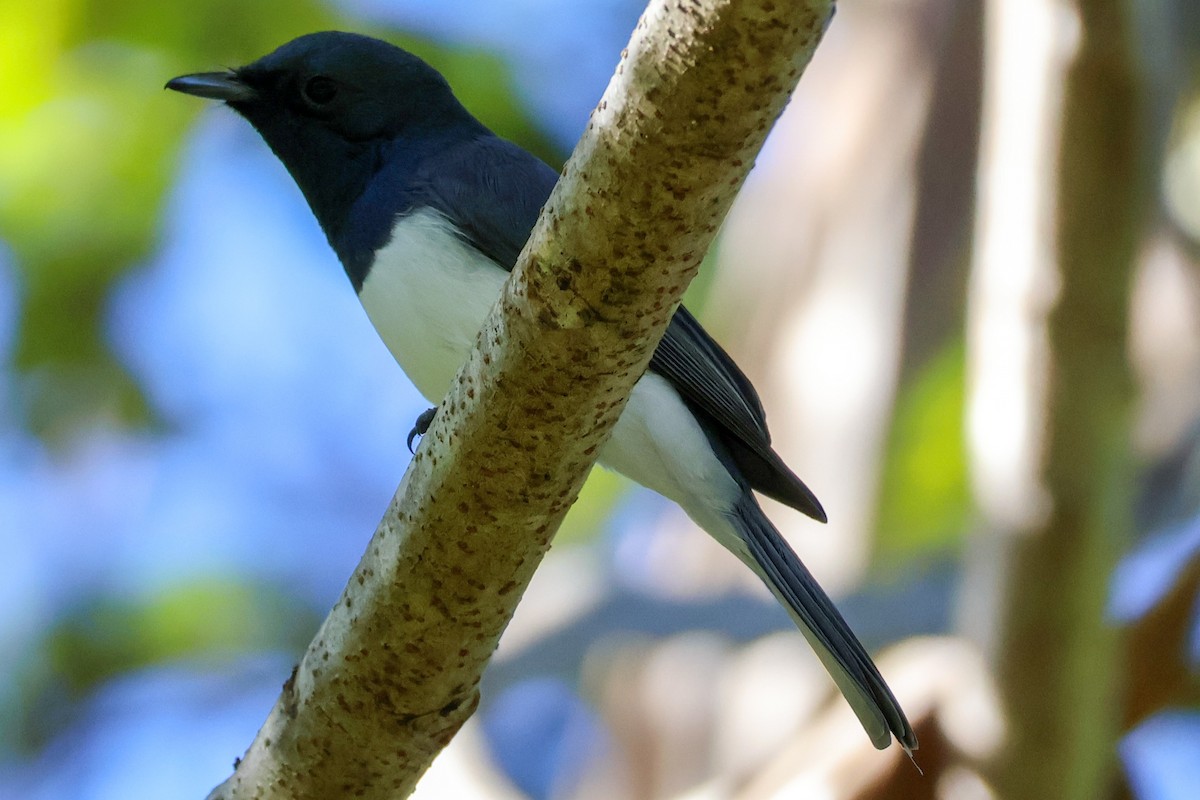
(394, 670)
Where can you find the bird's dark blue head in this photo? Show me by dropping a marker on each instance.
(337, 108)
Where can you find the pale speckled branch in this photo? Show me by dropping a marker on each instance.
(394, 670)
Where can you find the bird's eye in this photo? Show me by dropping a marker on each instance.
(320, 91)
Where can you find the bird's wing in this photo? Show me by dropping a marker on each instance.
(705, 375)
(493, 190)
(720, 395)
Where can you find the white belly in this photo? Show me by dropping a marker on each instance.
(428, 295)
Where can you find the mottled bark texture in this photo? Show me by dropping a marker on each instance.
(394, 671)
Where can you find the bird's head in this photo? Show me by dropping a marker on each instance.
(334, 107)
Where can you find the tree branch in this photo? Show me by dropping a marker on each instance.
(394, 670)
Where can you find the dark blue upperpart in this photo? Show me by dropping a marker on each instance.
(488, 188)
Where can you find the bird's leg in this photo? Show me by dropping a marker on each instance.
(421, 425)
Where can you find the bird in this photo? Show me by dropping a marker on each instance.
(428, 210)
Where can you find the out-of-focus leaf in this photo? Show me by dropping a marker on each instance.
(1194, 638)
(1181, 172)
(542, 734)
(107, 637)
(1145, 576)
(9, 309)
(219, 616)
(591, 512)
(925, 498)
(1162, 756)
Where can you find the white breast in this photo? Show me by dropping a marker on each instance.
(428, 294)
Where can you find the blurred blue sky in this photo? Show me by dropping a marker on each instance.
(128, 741)
(561, 54)
(247, 338)
(1151, 570)
(1162, 756)
(285, 422)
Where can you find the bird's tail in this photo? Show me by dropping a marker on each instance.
(822, 625)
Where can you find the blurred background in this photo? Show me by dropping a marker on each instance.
(963, 275)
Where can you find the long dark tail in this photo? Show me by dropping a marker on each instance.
(822, 625)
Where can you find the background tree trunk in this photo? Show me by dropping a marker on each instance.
(1060, 208)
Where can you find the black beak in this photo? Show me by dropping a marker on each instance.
(213, 85)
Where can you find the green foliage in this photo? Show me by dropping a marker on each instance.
(187, 620)
(925, 498)
(591, 511)
(88, 143)
(105, 637)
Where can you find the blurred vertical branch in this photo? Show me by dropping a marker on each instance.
(1060, 205)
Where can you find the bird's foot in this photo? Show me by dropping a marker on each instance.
(421, 425)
